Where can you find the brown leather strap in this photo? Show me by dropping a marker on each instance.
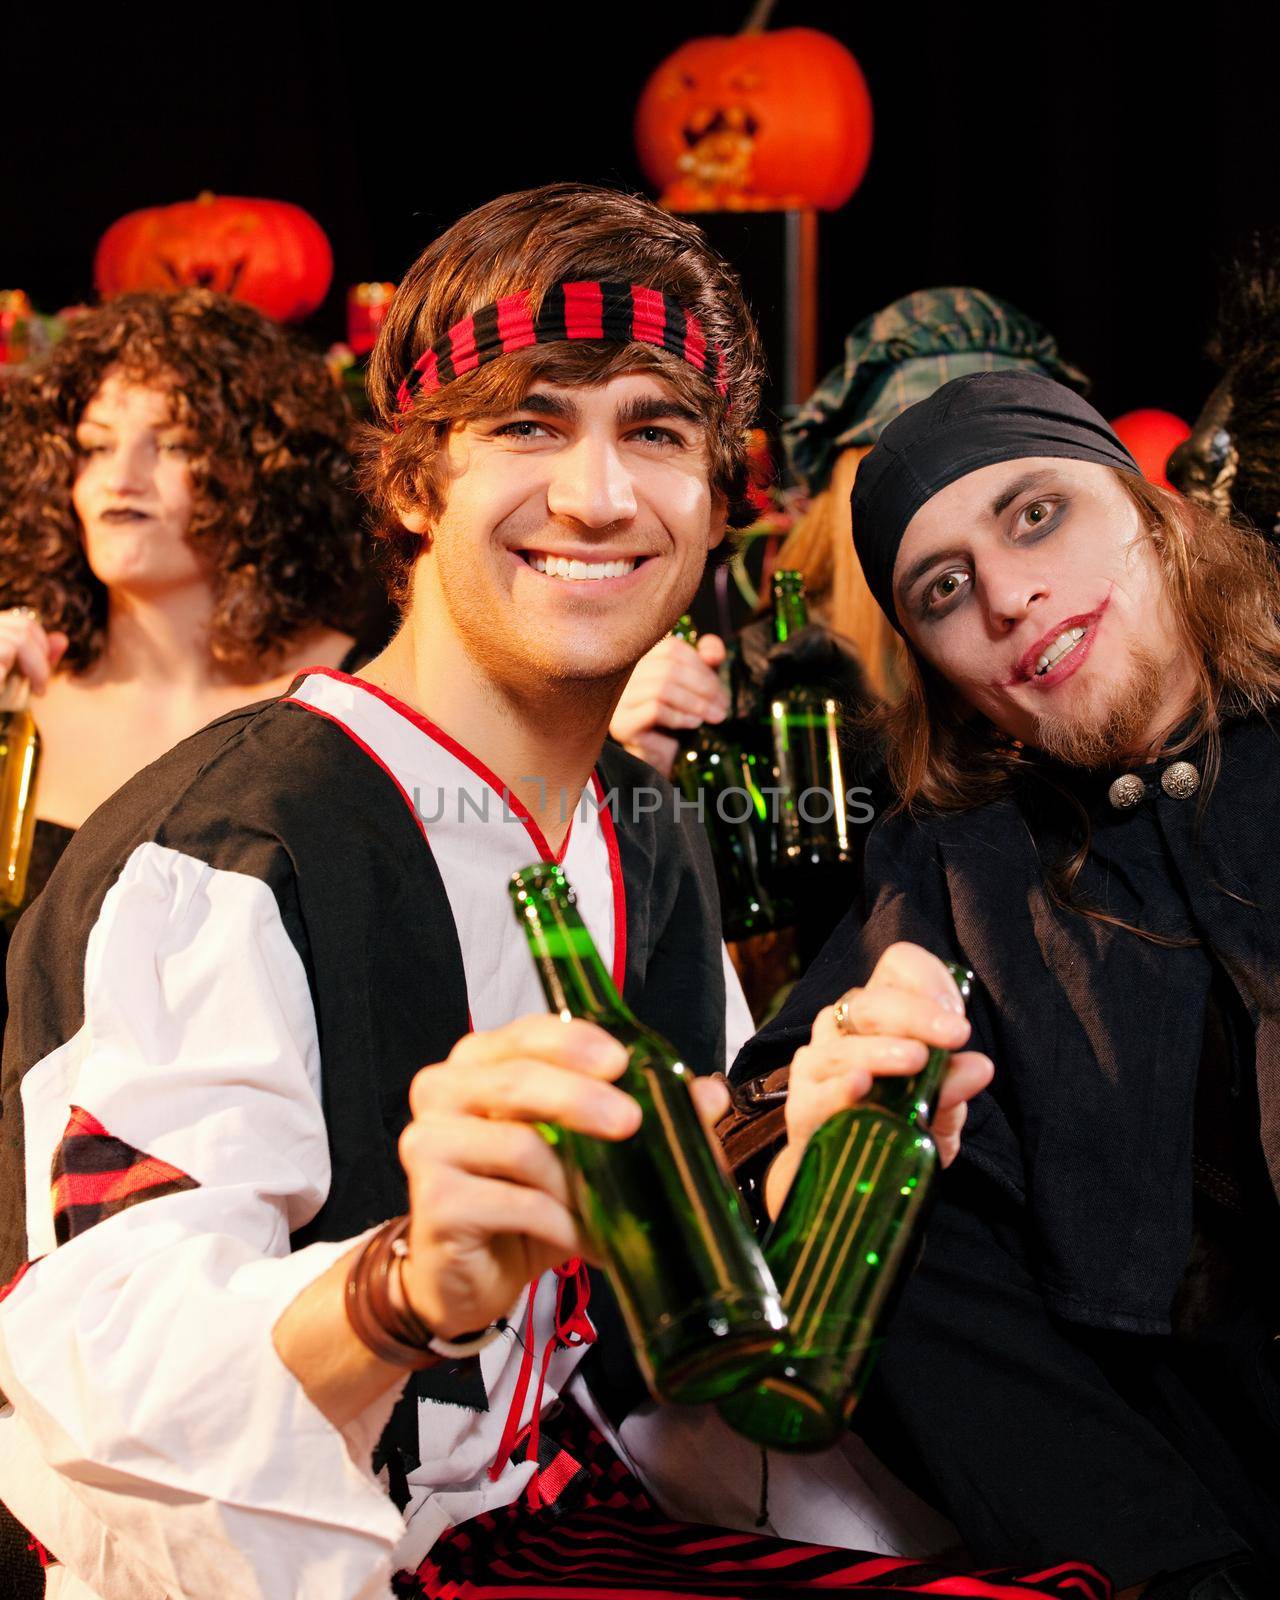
(753, 1131)
(394, 1334)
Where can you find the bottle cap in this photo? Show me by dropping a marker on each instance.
(544, 880)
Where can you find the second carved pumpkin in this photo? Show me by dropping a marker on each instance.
(756, 121)
(271, 254)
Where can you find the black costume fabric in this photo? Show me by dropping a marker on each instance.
(1084, 1143)
(971, 422)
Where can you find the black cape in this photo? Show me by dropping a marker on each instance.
(1096, 1034)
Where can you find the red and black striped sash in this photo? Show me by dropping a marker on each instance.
(614, 1542)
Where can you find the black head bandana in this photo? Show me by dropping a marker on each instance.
(970, 422)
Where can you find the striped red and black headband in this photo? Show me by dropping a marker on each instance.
(616, 313)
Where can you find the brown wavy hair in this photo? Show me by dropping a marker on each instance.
(275, 514)
(1224, 588)
(531, 240)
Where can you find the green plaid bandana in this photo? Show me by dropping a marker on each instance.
(902, 354)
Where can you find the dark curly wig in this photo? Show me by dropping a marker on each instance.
(275, 515)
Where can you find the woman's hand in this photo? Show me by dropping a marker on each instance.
(26, 646)
(909, 1006)
(674, 686)
(489, 1198)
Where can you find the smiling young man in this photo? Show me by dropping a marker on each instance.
(230, 1375)
(1086, 751)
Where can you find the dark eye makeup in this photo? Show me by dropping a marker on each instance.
(1029, 523)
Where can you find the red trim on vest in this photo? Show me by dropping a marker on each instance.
(447, 742)
(477, 766)
(372, 754)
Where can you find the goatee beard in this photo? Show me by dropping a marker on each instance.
(1097, 738)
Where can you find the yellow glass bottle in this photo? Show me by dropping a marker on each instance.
(19, 765)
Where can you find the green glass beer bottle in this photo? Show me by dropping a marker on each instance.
(717, 773)
(813, 825)
(845, 1238)
(687, 1270)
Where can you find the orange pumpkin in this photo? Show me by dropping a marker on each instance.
(267, 252)
(756, 122)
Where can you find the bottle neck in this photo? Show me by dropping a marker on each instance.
(15, 692)
(684, 629)
(916, 1099)
(913, 1099)
(573, 977)
(790, 614)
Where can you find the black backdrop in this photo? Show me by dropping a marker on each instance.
(1091, 163)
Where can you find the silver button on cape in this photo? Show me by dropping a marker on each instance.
(1180, 781)
(1127, 791)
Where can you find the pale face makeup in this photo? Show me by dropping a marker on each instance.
(1033, 588)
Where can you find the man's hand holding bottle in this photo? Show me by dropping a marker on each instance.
(909, 1005)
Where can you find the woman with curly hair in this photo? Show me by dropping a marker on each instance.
(178, 535)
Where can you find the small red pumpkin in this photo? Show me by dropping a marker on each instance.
(271, 254)
(756, 122)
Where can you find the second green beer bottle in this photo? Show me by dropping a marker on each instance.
(689, 1275)
(843, 1242)
(813, 826)
(716, 772)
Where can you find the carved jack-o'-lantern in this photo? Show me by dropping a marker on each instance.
(271, 254)
(756, 122)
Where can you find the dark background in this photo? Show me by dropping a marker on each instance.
(1093, 164)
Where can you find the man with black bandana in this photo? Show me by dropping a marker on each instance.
(1085, 1359)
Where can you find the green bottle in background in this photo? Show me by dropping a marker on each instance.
(844, 1240)
(715, 772)
(689, 1274)
(813, 826)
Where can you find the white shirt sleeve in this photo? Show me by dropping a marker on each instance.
(738, 1026)
(157, 1444)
